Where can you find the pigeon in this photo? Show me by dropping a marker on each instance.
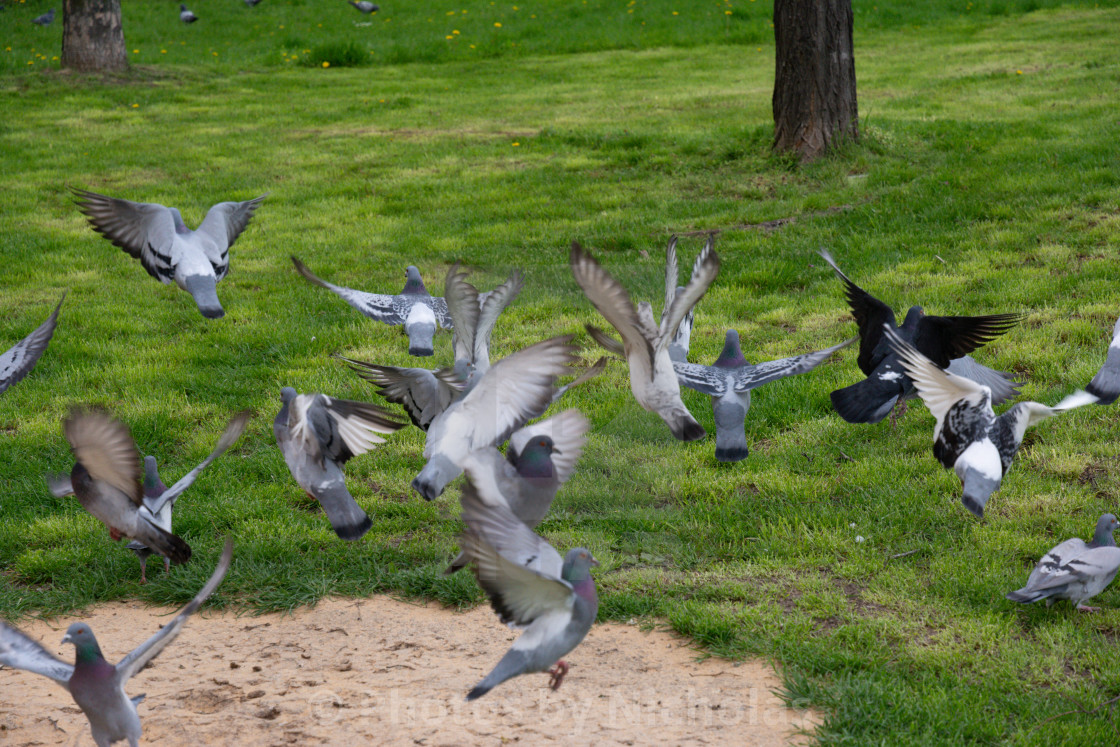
(513, 391)
(159, 500)
(45, 19)
(317, 435)
(423, 393)
(106, 480)
(529, 586)
(968, 436)
(678, 345)
(96, 685)
(252, 3)
(1074, 570)
(652, 380)
(729, 382)
(940, 338)
(414, 307)
(365, 6)
(185, 15)
(1106, 384)
(540, 458)
(156, 235)
(473, 317)
(18, 361)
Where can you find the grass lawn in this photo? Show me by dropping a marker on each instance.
(987, 180)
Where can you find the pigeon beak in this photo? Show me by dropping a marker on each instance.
(65, 639)
(594, 562)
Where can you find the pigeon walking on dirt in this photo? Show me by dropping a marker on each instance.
(17, 362)
(364, 6)
(317, 435)
(96, 685)
(729, 382)
(413, 307)
(529, 586)
(185, 15)
(1106, 384)
(196, 260)
(682, 336)
(942, 339)
(968, 436)
(1074, 570)
(644, 343)
(45, 19)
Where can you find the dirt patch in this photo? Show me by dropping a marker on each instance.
(382, 671)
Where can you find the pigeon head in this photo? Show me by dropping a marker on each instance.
(287, 394)
(732, 355)
(913, 316)
(1103, 536)
(182, 7)
(153, 486)
(85, 645)
(535, 459)
(577, 565)
(413, 284)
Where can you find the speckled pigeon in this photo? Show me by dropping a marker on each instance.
(317, 435)
(45, 19)
(529, 586)
(1074, 570)
(968, 437)
(940, 338)
(364, 6)
(1106, 384)
(423, 393)
(413, 307)
(644, 343)
(473, 317)
(678, 345)
(18, 361)
(196, 260)
(185, 15)
(96, 685)
(730, 380)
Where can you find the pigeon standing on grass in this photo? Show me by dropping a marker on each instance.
(1106, 384)
(45, 19)
(729, 382)
(364, 6)
(96, 685)
(18, 361)
(252, 3)
(968, 436)
(682, 336)
(196, 260)
(185, 15)
(1074, 570)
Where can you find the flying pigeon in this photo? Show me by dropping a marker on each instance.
(365, 6)
(185, 15)
(729, 382)
(513, 391)
(678, 345)
(423, 393)
(473, 317)
(159, 500)
(940, 338)
(414, 307)
(1074, 570)
(156, 235)
(45, 19)
(106, 480)
(644, 344)
(18, 361)
(96, 685)
(540, 458)
(529, 586)
(317, 435)
(968, 436)
(1106, 384)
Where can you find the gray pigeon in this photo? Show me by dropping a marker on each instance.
(252, 3)
(18, 361)
(159, 500)
(730, 380)
(1106, 384)
(45, 19)
(96, 685)
(317, 434)
(413, 307)
(106, 480)
(968, 437)
(512, 392)
(529, 586)
(423, 393)
(473, 317)
(645, 344)
(1074, 570)
(682, 336)
(185, 15)
(365, 6)
(156, 235)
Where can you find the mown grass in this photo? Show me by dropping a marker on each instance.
(987, 180)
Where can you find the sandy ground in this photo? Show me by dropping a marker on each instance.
(382, 671)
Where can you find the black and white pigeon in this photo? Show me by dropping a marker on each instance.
(529, 586)
(317, 434)
(414, 307)
(18, 360)
(196, 260)
(1074, 570)
(96, 685)
(185, 15)
(106, 480)
(644, 343)
(682, 336)
(1106, 384)
(473, 316)
(45, 19)
(364, 6)
(968, 436)
(513, 391)
(159, 500)
(942, 339)
(729, 382)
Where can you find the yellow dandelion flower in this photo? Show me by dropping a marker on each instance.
(1018, 72)
(676, 13)
(456, 32)
(449, 36)
(326, 64)
(497, 25)
(472, 46)
(54, 58)
(136, 51)
(450, 12)
(163, 51)
(727, 12)
(516, 144)
(135, 106)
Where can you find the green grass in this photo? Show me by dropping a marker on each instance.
(987, 180)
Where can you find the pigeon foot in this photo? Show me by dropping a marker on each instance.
(1083, 608)
(115, 534)
(898, 411)
(558, 672)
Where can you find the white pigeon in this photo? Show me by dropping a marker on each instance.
(17, 361)
(1074, 570)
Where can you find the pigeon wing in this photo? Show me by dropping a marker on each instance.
(146, 230)
(223, 223)
(611, 299)
(22, 357)
(704, 272)
(750, 377)
(233, 431)
(1106, 384)
(943, 338)
(704, 379)
(377, 306)
(104, 446)
(939, 389)
(1052, 562)
(496, 302)
(672, 272)
(20, 652)
(1002, 384)
(1095, 562)
(423, 393)
(344, 428)
(568, 431)
(870, 313)
(463, 307)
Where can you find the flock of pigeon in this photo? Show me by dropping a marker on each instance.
(469, 409)
(187, 16)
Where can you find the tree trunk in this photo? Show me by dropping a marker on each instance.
(815, 76)
(92, 36)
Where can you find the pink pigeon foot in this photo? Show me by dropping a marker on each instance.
(1084, 608)
(557, 673)
(115, 534)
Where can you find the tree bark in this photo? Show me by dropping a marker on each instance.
(815, 76)
(92, 36)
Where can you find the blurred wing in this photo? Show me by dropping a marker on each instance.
(568, 431)
(374, 305)
(233, 431)
(1106, 384)
(462, 305)
(145, 230)
(105, 447)
(22, 357)
(496, 302)
(344, 428)
(704, 272)
(672, 272)
(1002, 384)
(223, 223)
(20, 652)
(611, 299)
(870, 314)
(749, 377)
(939, 389)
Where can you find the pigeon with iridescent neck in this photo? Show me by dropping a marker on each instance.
(18, 361)
(729, 382)
(1106, 384)
(1074, 570)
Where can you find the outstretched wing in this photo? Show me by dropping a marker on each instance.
(704, 272)
(341, 428)
(232, 432)
(223, 223)
(704, 379)
(146, 230)
(611, 299)
(377, 306)
(20, 652)
(870, 313)
(103, 445)
(943, 338)
(749, 377)
(22, 357)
